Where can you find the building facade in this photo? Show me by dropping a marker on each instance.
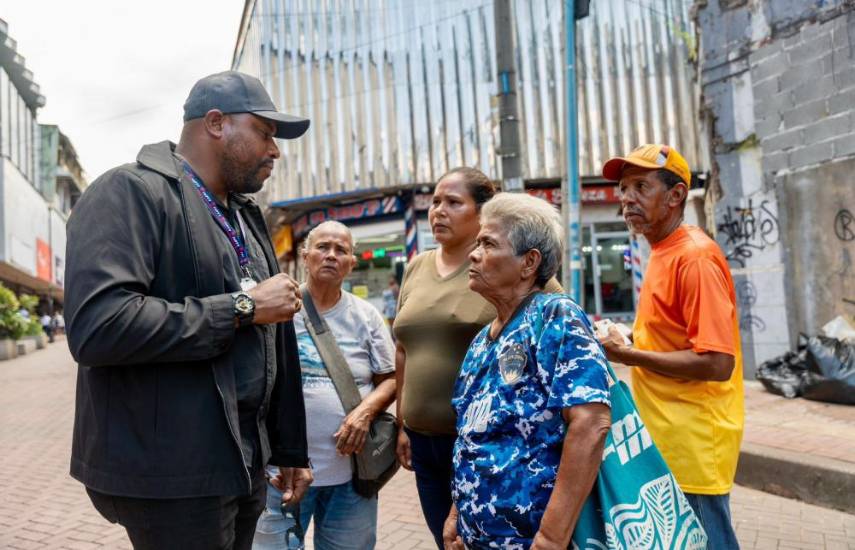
(778, 81)
(401, 91)
(39, 178)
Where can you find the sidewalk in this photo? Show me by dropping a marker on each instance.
(43, 508)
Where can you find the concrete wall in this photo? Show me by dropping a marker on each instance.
(818, 212)
(57, 245)
(25, 219)
(778, 78)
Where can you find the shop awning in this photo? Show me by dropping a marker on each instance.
(13, 275)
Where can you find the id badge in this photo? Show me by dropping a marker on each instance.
(247, 283)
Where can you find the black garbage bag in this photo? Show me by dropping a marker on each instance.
(784, 375)
(830, 374)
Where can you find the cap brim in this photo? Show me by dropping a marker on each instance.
(287, 126)
(613, 168)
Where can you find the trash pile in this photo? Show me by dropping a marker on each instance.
(822, 369)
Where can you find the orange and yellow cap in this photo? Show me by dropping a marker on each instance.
(653, 156)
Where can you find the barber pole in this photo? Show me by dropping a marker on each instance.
(637, 270)
(412, 242)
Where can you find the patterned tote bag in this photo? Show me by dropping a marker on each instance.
(636, 503)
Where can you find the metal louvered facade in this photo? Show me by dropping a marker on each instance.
(399, 91)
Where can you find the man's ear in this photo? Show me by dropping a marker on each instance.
(214, 122)
(678, 194)
(531, 262)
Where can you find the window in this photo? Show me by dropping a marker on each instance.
(5, 115)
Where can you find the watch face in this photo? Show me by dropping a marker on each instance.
(244, 304)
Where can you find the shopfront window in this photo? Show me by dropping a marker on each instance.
(608, 271)
(378, 259)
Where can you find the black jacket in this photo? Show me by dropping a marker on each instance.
(150, 324)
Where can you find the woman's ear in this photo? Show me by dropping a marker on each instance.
(531, 262)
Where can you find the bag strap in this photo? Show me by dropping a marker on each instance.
(331, 355)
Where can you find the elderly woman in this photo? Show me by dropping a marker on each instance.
(531, 399)
(343, 519)
(438, 315)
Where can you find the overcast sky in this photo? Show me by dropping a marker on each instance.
(115, 73)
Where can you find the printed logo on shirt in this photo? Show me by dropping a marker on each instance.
(629, 438)
(478, 415)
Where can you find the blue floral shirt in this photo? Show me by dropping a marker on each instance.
(510, 432)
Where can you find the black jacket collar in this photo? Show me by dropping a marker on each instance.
(160, 157)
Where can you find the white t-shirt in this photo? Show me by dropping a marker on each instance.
(367, 346)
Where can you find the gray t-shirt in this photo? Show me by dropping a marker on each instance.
(367, 346)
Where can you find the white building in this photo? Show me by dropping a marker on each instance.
(39, 180)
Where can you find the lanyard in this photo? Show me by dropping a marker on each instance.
(235, 239)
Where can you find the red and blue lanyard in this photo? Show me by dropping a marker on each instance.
(235, 239)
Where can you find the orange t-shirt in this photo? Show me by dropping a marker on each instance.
(688, 301)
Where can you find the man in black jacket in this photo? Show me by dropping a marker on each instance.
(188, 380)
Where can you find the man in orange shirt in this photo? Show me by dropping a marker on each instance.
(687, 379)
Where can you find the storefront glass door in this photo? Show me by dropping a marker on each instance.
(612, 274)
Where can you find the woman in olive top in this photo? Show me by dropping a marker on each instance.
(438, 316)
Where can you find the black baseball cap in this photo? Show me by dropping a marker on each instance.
(236, 92)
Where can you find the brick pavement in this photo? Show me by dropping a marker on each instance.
(799, 425)
(43, 508)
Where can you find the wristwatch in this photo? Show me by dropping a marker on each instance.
(244, 308)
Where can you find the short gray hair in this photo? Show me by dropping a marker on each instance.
(532, 224)
(329, 223)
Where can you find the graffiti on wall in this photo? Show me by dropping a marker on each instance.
(747, 230)
(844, 225)
(746, 296)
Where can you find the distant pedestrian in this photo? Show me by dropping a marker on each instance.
(58, 323)
(47, 326)
(189, 380)
(687, 379)
(390, 300)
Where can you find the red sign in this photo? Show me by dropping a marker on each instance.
(591, 194)
(43, 261)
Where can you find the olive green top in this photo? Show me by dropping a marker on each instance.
(438, 317)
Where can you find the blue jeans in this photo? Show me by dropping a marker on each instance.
(713, 512)
(343, 519)
(431, 455)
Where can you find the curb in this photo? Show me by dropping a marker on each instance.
(816, 480)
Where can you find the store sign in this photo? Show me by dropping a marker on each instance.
(43, 261)
(372, 208)
(422, 202)
(592, 194)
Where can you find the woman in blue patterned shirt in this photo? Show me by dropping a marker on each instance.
(532, 398)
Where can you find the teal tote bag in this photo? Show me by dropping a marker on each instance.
(636, 503)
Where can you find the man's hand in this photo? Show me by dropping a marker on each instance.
(350, 437)
(450, 539)
(277, 299)
(293, 483)
(402, 449)
(614, 344)
(543, 542)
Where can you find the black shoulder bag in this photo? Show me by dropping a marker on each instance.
(377, 462)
